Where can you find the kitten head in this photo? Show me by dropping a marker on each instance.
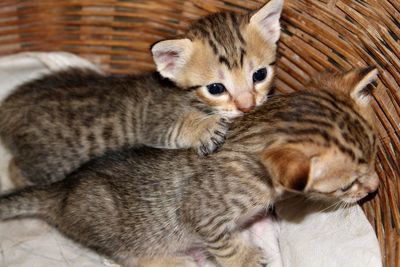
(227, 58)
(327, 147)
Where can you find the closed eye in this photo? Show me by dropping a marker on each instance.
(347, 187)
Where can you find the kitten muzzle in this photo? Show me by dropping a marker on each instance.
(245, 102)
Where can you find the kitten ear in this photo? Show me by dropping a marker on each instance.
(266, 20)
(170, 56)
(288, 167)
(361, 88)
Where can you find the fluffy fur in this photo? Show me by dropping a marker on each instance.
(140, 204)
(225, 48)
(55, 124)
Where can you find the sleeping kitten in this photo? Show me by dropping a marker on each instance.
(224, 66)
(150, 203)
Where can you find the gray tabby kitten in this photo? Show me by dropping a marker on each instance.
(146, 204)
(221, 69)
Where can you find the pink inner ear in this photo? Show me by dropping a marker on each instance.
(270, 20)
(167, 56)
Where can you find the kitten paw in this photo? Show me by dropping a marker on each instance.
(260, 258)
(213, 132)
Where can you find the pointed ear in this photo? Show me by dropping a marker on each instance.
(170, 56)
(266, 20)
(361, 88)
(288, 167)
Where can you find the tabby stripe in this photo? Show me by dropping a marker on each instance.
(129, 124)
(315, 102)
(166, 139)
(124, 121)
(221, 246)
(343, 148)
(242, 54)
(98, 143)
(119, 129)
(236, 27)
(211, 220)
(218, 225)
(224, 60)
(138, 117)
(213, 46)
(307, 131)
(318, 98)
(145, 112)
(306, 140)
(235, 202)
(298, 117)
(193, 88)
(316, 108)
(203, 32)
(178, 131)
(90, 138)
(242, 137)
(222, 237)
(362, 161)
(230, 254)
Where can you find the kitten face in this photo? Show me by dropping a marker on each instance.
(232, 90)
(336, 175)
(227, 58)
(331, 152)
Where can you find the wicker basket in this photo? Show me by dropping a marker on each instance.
(317, 35)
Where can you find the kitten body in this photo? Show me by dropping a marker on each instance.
(56, 123)
(150, 203)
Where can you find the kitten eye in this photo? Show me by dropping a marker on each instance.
(347, 187)
(216, 88)
(260, 75)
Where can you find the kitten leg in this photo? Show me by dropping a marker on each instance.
(16, 176)
(205, 133)
(173, 261)
(231, 250)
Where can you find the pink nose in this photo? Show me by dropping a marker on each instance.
(245, 102)
(246, 110)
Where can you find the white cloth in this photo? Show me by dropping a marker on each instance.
(29, 242)
(302, 238)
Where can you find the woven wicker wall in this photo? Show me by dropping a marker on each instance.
(317, 35)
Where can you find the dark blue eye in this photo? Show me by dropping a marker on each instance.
(216, 88)
(260, 75)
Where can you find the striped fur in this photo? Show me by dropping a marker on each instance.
(225, 48)
(55, 124)
(223, 33)
(150, 203)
